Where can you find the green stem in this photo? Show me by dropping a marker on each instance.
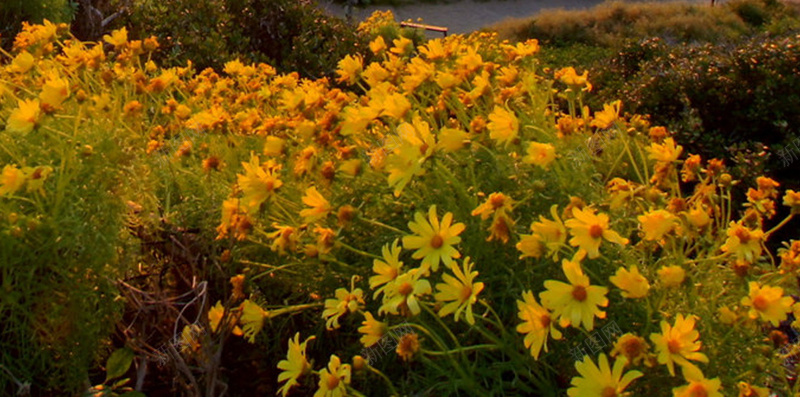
(385, 378)
(461, 350)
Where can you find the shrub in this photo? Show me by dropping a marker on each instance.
(14, 12)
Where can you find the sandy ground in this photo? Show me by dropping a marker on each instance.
(466, 15)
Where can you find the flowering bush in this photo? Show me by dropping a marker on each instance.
(437, 210)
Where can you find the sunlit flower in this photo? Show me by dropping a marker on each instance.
(571, 78)
(541, 154)
(551, 233)
(633, 348)
(258, 183)
(252, 319)
(377, 45)
(698, 217)
(320, 207)
(459, 293)
(295, 365)
(402, 46)
(768, 303)
(666, 152)
(792, 199)
(576, 302)
(432, 240)
(748, 390)
(631, 282)
(607, 116)
(698, 385)
(349, 69)
(401, 296)
(386, 270)
(22, 63)
(117, 38)
(333, 380)
(503, 126)
(601, 380)
(678, 344)
(501, 226)
(671, 276)
(537, 324)
(496, 202)
(215, 315)
(54, 92)
(11, 180)
(344, 302)
(589, 229)
(743, 242)
(284, 239)
(372, 330)
(24, 118)
(656, 224)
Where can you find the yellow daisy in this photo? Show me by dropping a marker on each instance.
(24, 118)
(743, 242)
(401, 296)
(575, 303)
(631, 282)
(386, 270)
(372, 330)
(320, 207)
(589, 229)
(537, 324)
(434, 241)
(295, 365)
(678, 344)
(460, 291)
(541, 154)
(768, 303)
(601, 380)
(503, 126)
(333, 380)
(656, 224)
(344, 302)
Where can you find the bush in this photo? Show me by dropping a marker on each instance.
(14, 12)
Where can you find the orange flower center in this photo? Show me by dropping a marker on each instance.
(466, 293)
(760, 303)
(697, 391)
(579, 293)
(497, 201)
(437, 241)
(743, 235)
(405, 289)
(674, 346)
(270, 185)
(633, 348)
(595, 231)
(545, 320)
(333, 382)
(609, 392)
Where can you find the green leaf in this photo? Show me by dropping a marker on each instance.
(118, 363)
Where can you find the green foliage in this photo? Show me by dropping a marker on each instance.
(290, 35)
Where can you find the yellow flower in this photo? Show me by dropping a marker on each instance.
(452, 139)
(11, 180)
(333, 380)
(748, 390)
(671, 276)
(374, 74)
(215, 315)
(284, 239)
(252, 319)
(460, 291)
(295, 365)
(408, 346)
(117, 38)
(575, 303)
(387, 269)
(678, 344)
(553, 234)
(768, 303)
(372, 330)
(589, 229)
(54, 92)
(24, 118)
(727, 316)
(792, 199)
(495, 202)
(633, 284)
(743, 242)
(434, 241)
(667, 152)
(541, 154)
(400, 297)
(22, 63)
(257, 183)
(320, 207)
(344, 302)
(607, 116)
(571, 78)
(530, 246)
(698, 385)
(402, 46)
(503, 126)
(656, 224)
(36, 176)
(537, 324)
(698, 217)
(601, 380)
(349, 69)
(378, 45)
(632, 347)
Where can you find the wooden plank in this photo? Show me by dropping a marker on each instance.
(432, 28)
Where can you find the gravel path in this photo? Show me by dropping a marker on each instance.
(466, 15)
